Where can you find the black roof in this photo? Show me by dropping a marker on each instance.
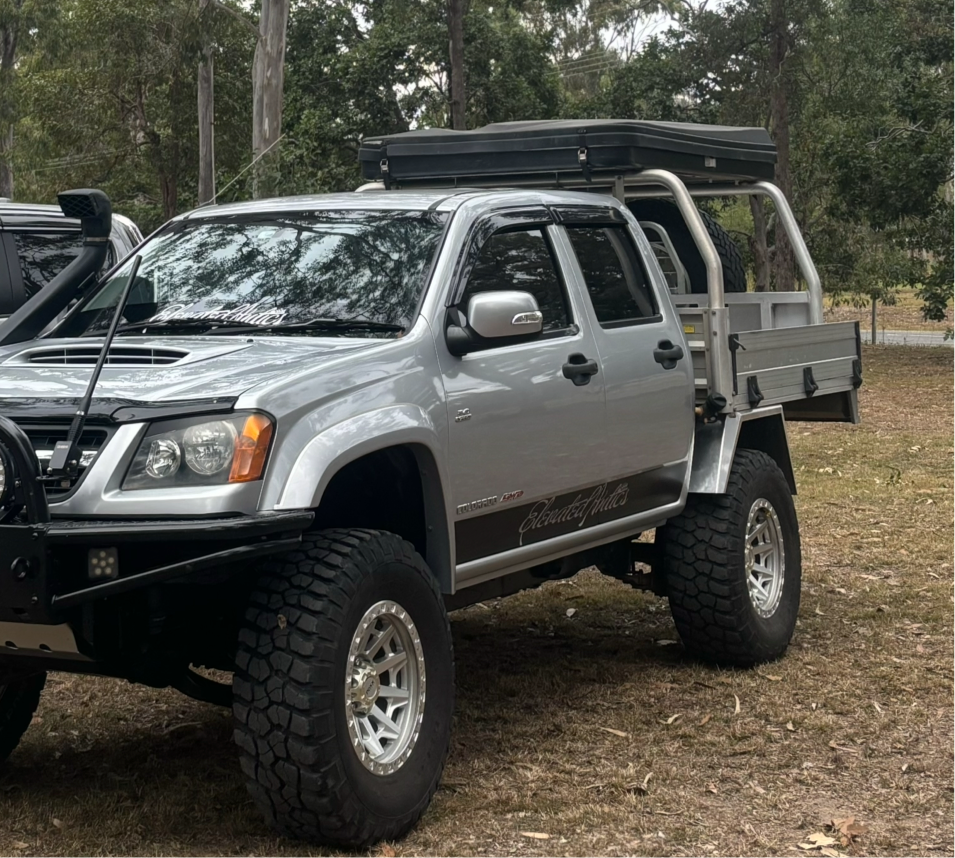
(567, 148)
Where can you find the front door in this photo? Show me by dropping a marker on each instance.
(521, 432)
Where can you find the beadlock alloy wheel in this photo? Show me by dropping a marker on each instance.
(765, 557)
(385, 684)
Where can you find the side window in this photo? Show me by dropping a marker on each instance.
(520, 260)
(44, 255)
(615, 278)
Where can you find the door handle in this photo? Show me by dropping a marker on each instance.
(579, 369)
(667, 354)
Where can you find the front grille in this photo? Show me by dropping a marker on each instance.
(118, 356)
(44, 438)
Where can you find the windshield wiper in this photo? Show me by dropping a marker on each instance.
(219, 327)
(339, 326)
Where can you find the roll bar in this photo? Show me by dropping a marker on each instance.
(806, 266)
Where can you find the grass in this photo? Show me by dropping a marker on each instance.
(904, 315)
(855, 720)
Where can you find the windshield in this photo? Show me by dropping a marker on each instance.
(345, 272)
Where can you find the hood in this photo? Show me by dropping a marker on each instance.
(151, 369)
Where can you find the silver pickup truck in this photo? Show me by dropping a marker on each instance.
(286, 437)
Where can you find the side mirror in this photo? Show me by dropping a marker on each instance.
(504, 314)
(496, 318)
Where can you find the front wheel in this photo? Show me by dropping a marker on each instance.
(733, 566)
(18, 701)
(344, 689)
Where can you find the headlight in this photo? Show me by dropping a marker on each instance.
(210, 453)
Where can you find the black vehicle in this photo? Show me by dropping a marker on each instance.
(37, 242)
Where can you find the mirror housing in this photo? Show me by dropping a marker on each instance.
(505, 314)
(495, 318)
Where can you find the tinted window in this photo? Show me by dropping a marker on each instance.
(520, 260)
(615, 279)
(368, 266)
(43, 255)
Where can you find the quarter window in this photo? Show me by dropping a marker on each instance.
(616, 281)
(520, 260)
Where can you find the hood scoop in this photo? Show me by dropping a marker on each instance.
(86, 355)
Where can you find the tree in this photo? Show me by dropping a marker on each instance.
(19, 21)
(356, 69)
(268, 76)
(780, 75)
(205, 91)
(134, 131)
(456, 12)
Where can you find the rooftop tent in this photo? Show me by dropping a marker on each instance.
(568, 151)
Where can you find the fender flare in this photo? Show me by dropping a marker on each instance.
(716, 443)
(351, 439)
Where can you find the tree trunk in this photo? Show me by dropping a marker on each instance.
(6, 168)
(759, 243)
(875, 309)
(268, 77)
(169, 190)
(784, 262)
(206, 105)
(8, 54)
(456, 34)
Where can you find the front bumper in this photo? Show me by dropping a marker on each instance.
(44, 567)
(44, 564)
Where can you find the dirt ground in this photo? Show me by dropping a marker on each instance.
(593, 734)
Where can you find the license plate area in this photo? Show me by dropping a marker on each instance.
(24, 574)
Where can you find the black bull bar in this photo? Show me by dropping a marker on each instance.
(41, 577)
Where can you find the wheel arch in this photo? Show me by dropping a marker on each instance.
(762, 429)
(389, 469)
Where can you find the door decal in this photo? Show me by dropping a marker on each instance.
(526, 524)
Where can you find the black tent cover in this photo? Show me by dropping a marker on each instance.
(563, 150)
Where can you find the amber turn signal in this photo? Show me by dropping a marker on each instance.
(251, 448)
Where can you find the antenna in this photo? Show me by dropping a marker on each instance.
(65, 461)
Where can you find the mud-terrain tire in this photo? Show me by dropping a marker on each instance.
(18, 701)
(668, 216)
(730, 604)
(306, 688)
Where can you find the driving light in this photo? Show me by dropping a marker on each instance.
(103, 563)
(197, 452)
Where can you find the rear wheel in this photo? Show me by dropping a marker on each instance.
(667, 215)
(733, 566)
(19, 699)
(344, 689)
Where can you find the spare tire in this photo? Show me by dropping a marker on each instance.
(668, 216)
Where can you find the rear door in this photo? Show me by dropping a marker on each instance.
(648, 383)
